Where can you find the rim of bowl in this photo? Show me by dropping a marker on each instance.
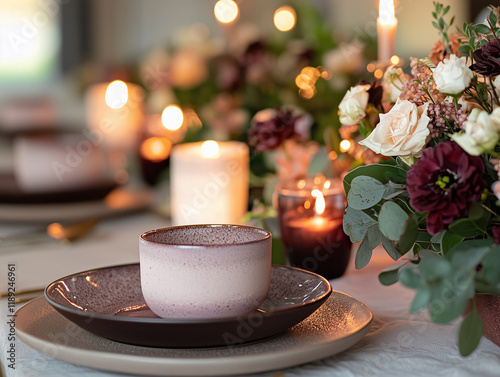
(267, 235)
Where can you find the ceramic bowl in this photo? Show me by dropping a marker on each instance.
(205, 271)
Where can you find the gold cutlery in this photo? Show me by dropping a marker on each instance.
(64, 232)
(21, 297)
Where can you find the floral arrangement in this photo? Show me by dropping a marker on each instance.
(433, 198)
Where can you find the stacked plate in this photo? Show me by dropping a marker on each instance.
(107, 325)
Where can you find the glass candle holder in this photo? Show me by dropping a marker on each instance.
(310, 215)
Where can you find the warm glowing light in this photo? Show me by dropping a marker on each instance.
(284, 18)
(156, 149)
(116, 94)
(395, 60)
(303, 81)
(56, 230)
(370, 67)
(172, 117)
(332, 155)
(307, 93)
(301, 184)
(320, 205)
(345, 145)
(327, 184)
(307, 204)
(386, 12)
(226, 11)
(378, 74)
(210, 148)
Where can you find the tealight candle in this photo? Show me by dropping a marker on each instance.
(310, 217)
(209, 182)
(387, 24)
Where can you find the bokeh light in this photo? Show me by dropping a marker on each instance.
(156, 149)
(116, 94)
(172, 117)
(345, 145)
(284, 18)
(226, 11)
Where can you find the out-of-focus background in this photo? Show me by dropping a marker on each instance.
(59, 57)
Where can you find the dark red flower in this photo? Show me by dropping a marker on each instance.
(375, 93)
(271, 127)
(487, 59)
(444, 182)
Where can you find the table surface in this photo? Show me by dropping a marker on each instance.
(398, 343)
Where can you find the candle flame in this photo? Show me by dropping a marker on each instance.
(386, 12)
(156, 149)
(116, 94)
(210, 148)
(320, 205)
(172, 117)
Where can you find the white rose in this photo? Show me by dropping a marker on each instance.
(401, 132)
(352, 108)
(393, 81)
(452, 75)
(481, 133)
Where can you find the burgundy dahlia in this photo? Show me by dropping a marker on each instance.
(444, 182)
(270, 128)
(487, 59)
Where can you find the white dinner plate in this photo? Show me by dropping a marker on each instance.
(336, 326)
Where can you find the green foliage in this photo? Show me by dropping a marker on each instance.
(470, 334)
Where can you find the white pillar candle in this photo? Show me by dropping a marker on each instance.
(209, 182)
(387, 24)
(114, 113)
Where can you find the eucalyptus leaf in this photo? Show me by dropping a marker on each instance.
(356, 224)
(372, 239)
(435, 270)
(381, 172)
(363, 255)
(449, 240)
(389, 275)
(390, 248)
(471, 332)
(365, 192)
(392, 220)
(392, 193)
(469, 254)
(407, 239)
(421, 299)
(436, 238)
(450, 296)
(409, 278)
(466, 228)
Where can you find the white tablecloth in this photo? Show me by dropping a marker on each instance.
(398, 344)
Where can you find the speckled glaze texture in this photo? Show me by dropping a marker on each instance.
(108, 302)
(205, 271)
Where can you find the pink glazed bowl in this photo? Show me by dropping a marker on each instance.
(205, 271)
